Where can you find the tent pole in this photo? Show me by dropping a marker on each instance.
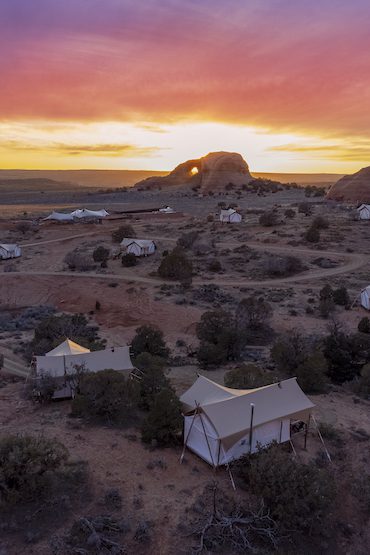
(281, 430)
(321, 438)
(209, 447)
(306, 432)
(231, 477)
(251, 428)
(187, 435)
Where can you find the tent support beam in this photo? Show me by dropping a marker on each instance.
(231, 477)
(306, 432)
(208, 445)
(187, 435)
(321, 438)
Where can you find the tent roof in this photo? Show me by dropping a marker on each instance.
(229, 410)
(68, 347)
(228, 212)
(362, 206)
(59, 216)
(8, 246)
(141, 242)
(85, 213)
(367, 289)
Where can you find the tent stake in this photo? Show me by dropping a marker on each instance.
(231, 477)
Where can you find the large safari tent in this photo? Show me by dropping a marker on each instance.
(223, 424)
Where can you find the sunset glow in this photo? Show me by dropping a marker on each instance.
(124, 84)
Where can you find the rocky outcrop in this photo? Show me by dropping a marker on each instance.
(352, 188)
(216, 171)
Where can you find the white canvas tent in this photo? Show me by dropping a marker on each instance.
(364, 212)
(167, 210)
(63, 361)
(138, 247)
(365, 297)
(81, 213)
(59, 217)
(9, 251)
(230, 216)
(223, 424)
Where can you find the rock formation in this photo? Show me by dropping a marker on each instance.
(216, 171)
(353, 188)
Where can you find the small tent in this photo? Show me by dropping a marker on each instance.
(63, 362)
(223, 424)
(364, 212)
(84, 213)
(9, 251)
(166, 210)
(59, 217)
(139, 247)
(230, 216)
(365, 297)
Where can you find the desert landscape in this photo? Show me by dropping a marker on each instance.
(184, 277)
(293, 250)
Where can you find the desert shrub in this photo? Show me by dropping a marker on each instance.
(164, 421)
(364, 325)
(210, 218)
(27, 466)
(186, 240)
(320, 223)
(326, 307)
(219, 338)
(100, 254)
(363, 383)
(23, 227)
(326, 292)
(305, 208)
(153, 379)
(312, 373)
(269, 219)
(282, 265)
(176, 265)
(289, 213)
(341, 297)
(298, 496)
(76, 260)
(149, 339)
(312, 235)
(123, 231)
(247, 376)
(106, 396)
(290, 351)
(1, 361)
(51, 331)
(215, 266)
(346, 354)
(129, 260)
(253, 312)
(361, 490)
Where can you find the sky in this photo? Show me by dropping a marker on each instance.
(129, 84)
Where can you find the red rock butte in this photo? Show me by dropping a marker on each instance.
(213, 172)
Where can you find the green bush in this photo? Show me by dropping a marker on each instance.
(123, 231)
(101, 254)
(364, 325)
(326, 292)
(298, 496)
(253, 312)
(186, 240)
(153, 379)
(320, 223)
(210, 355)
(106, 396)
(248, 376)
(27, 466)
(341, 297)
(312, 235)
(219, 338)
(346, 354)
(164, 421)
(312, 373)
(176, 265)
(149, 339)
(289, 213)
(215, 266)
(363, 384)
(129, 260)
(269, 219)
(289, 351)
(326, 307)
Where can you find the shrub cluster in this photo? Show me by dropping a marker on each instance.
(176, 265)
(123, 231)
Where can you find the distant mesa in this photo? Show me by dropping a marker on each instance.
(352, 188)
(216, 171)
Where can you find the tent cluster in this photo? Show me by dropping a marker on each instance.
(223, 424)
(364, 212)
(138, 247)
(63, 362)
(9, 251)
(79, 214)
(230, 216)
